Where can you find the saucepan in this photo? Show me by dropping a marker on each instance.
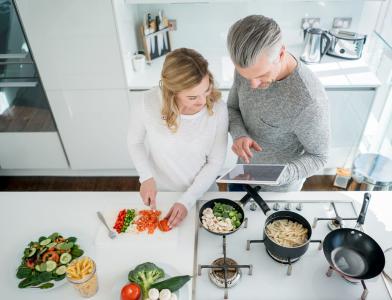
(352, 252)
(275, 249)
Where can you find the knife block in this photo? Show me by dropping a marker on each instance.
(156, 44)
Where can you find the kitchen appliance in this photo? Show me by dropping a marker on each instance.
(316, 44)
(24, 106)
(346, 44)
(269, 278)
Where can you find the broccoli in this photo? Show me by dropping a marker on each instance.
(145, 275)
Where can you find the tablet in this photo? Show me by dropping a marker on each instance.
(253, 174)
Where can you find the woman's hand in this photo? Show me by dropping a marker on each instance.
(148, 192)
(176, 214)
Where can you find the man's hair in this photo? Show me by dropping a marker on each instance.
(251, 36)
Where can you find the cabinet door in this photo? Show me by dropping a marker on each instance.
(349, 111)
(74, 43)
(93, 125)
(31, 150)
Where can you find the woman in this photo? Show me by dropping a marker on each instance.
(184, 126)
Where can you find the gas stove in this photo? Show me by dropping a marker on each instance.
(259, 275)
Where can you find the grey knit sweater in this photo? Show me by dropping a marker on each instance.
(289, 120)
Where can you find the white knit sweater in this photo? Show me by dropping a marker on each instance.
(188, 160)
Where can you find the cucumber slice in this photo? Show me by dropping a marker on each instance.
(42, 267)
(45, 242)
(61, 270)
(50, 265)
(65, 258)
(51, 245)
(31, 252)
(59, 246)
(37, 268)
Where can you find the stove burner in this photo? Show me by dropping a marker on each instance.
(283, 260)
(334, 223)
(224, 272)
(350, 280)
(217, 276)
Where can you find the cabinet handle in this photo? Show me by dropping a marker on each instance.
(18, 84)
(13, 56)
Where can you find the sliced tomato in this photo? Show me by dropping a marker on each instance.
(147, 220)
(164, 225)
(30, 264)
(50, 255)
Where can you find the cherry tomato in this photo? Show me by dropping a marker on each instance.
(131, 291)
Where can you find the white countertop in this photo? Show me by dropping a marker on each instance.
(27, 215)
(332, 72)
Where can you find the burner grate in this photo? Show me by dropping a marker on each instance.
(227, 267)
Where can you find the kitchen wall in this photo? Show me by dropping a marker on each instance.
(204, 26)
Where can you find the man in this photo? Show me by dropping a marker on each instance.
(278, 109)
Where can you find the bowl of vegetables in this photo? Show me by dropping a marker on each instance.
(44, 262)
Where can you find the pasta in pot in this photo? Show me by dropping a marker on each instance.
(287, 233)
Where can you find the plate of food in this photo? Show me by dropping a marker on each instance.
(150, 281)
(44, 261)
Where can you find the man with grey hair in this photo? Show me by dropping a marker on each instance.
(278, 109)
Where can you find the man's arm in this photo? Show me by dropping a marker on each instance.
(236, 123)
(312, 127)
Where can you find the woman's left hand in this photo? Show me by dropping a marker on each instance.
(176, 214)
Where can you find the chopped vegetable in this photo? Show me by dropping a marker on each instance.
(145, 275)
(124, 220)
(148, 220)
(227, 211)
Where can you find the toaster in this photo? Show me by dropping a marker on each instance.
(346, 44)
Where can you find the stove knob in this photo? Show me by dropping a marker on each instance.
(252, 206)
(276, 206)
(299, 206)
(288, 206)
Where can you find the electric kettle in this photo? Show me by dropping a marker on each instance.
(317, 43)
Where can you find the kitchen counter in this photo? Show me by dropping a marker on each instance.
(334, 73)
(27, 215)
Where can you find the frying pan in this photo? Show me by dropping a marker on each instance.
(238, 206)
(278, 251)
(352, 252)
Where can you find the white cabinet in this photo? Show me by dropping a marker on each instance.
(93, 126)
(349, 111)
(75, 43)
(77, 50)
(31, 150)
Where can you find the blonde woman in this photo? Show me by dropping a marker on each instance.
(183, 124)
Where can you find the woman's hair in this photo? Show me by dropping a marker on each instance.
(183, 69)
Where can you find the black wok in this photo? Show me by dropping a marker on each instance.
(276, 250)
(352, 252)
(238, 206)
